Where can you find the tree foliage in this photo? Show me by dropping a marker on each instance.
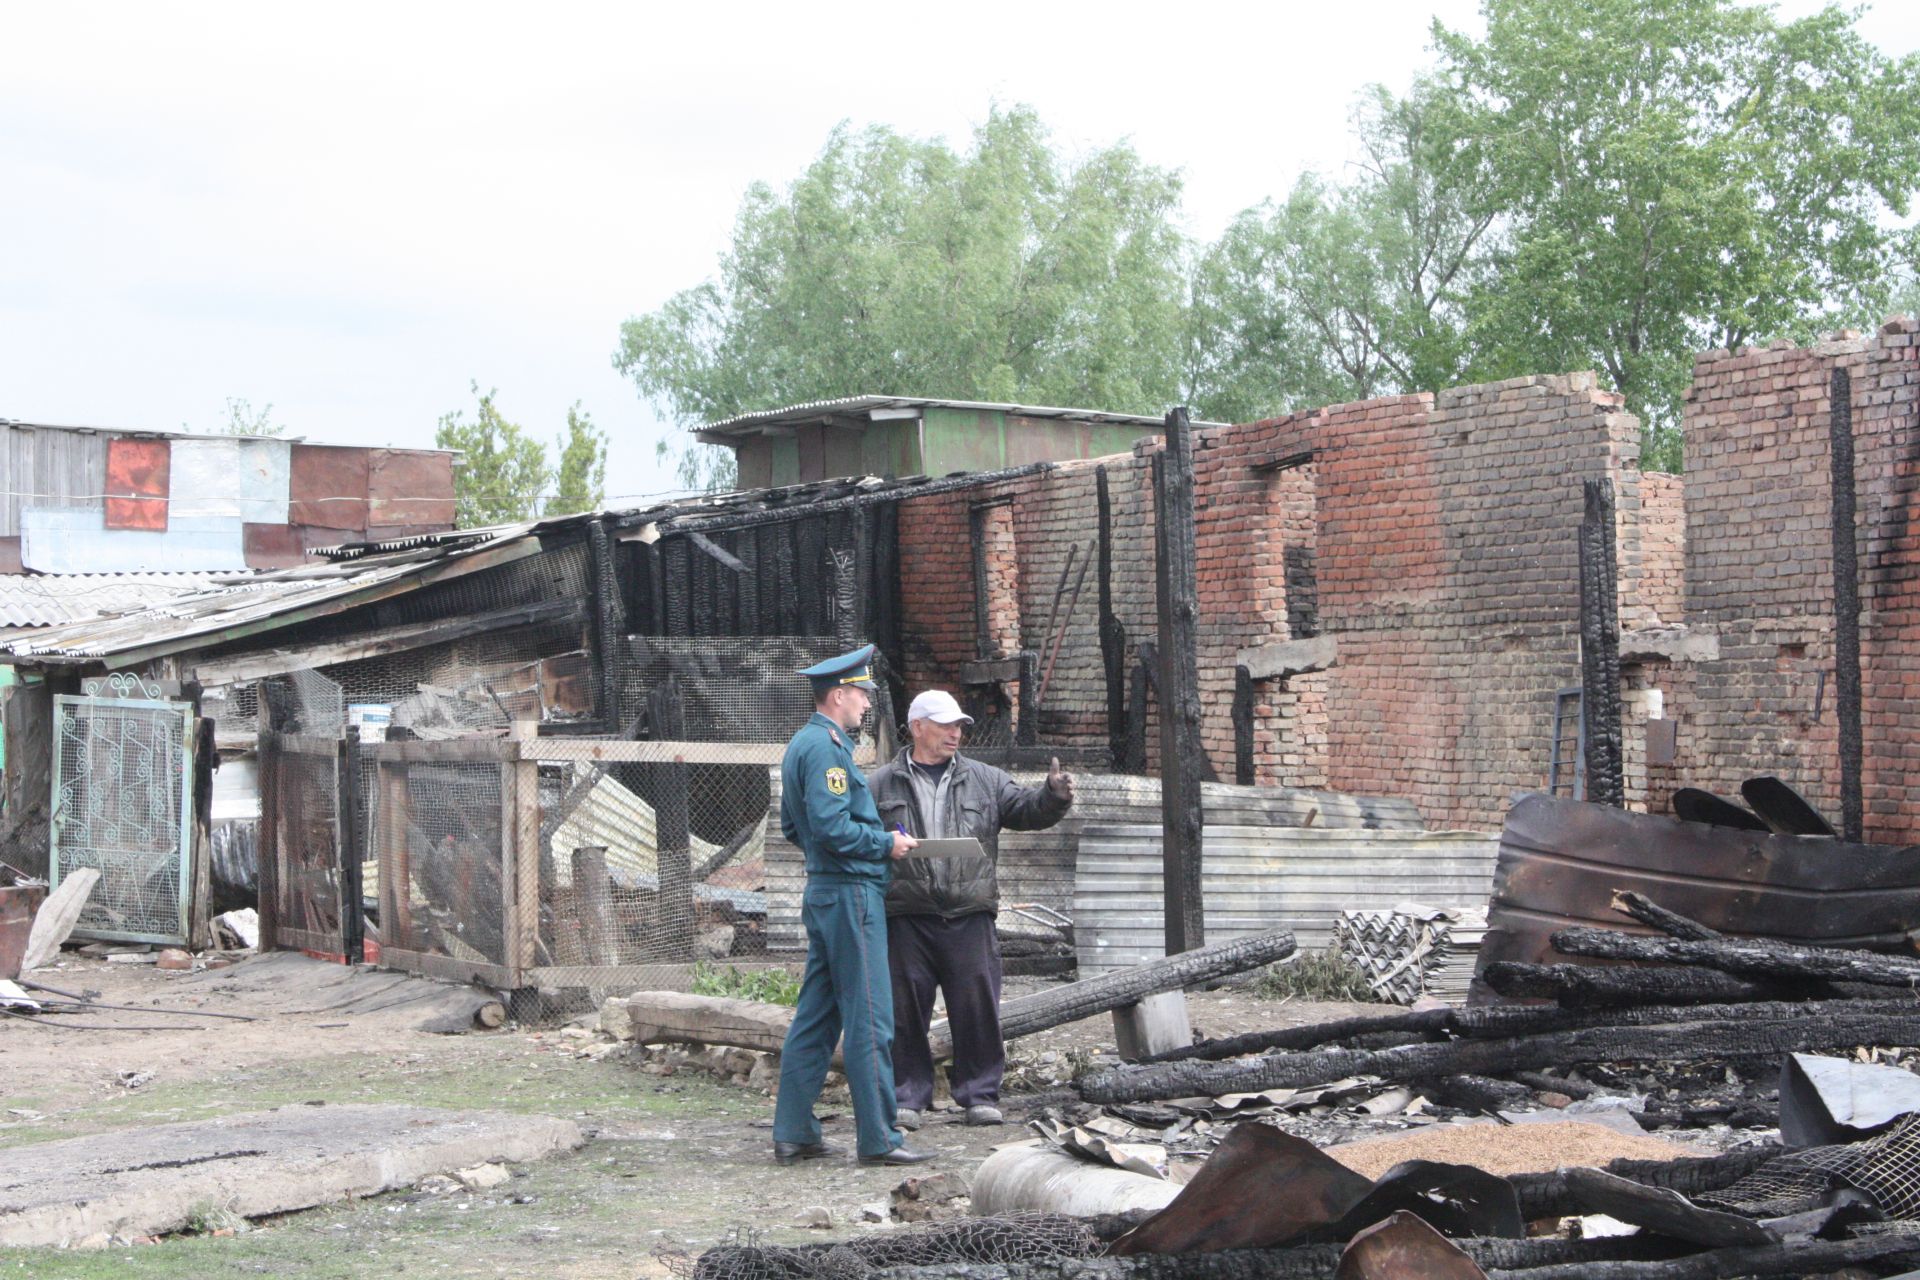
(1676, 175)
(898, 265)
(502, 472)
(580, 477)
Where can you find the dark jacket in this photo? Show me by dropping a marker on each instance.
(983, 800)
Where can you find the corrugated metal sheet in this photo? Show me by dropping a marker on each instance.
(49, 467)
(51, 600)
(813, 410)
(1259, 878)
(75, 542)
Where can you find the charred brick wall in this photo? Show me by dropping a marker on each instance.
(1759, 571)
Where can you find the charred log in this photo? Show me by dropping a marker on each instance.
(1746, 1037)
(1581, 986)
(1754, 957)
(1546, 1195)
(1796, 1259)
(1652, 914)
(1413, 1025)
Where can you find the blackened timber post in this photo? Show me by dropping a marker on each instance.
(1027, 731)
(1181, 751)
(352, 847)
(667, 718)
(1600, 648)
(1242, 726)
(1135, 759)
(1113, 636)
(603, 601)
(1846, 607)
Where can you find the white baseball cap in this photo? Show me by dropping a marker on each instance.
(938, 706)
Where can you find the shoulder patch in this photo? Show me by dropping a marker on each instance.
(837, 781)
(835, 735)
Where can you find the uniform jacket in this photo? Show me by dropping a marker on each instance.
(983, 800)
(826, 808)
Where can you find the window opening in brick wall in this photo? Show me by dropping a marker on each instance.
(996, 580)
(1567, 772)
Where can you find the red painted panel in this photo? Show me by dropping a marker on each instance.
(272, 546)
(327, 486)
(411, 489)
(138, 472)
(10, 556)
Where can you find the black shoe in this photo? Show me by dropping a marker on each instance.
(795, 1152)
(901, 1156)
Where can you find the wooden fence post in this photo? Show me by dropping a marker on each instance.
(1182, 755)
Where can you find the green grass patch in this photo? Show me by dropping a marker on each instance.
(1316, 975)
(769, 986)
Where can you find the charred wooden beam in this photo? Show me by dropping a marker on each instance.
(603, 638)
(1182, 753)
(1791, 1258)
(1413, 1025)
(1546, 1195)
(983, 646)
(1652, 914)
(673, 844)
(1744, 1037)
(1027, 729)
(1113, 636)
(716, 551)
(1582, 986)
(1600, 648)
(1135, 760)
(1242, 726)
(1846, 604)
(1756, 957)
(353, 850)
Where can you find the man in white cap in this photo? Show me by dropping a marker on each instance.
(940, 911)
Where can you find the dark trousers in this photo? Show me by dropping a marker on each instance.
(962, 958)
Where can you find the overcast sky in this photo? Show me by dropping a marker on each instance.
(351, 215)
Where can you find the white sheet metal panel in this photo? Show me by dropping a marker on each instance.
(266, 468)
(50, 467)
(1259, 878)
(77, 542)
(204, 479)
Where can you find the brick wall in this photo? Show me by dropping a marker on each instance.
(1759, 571)
(1663, 540)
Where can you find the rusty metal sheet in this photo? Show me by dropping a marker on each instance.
(1664, 1211)
(312, 536)
(1405, 1248)
(327, 486)
(1454, 1199)
(410, 489)
(272, 546)
(1260, 1188)
(138, 475)
(1562, 861)
(10, 561)
(1663, 739)
(18, 903)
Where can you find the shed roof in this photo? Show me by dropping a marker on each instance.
(148, 433)
(878, 408)
(52, 599)
(235, 606)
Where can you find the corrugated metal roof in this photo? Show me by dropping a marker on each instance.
(813, 410)
(52, 600)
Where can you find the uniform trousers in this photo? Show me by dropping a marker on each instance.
(961, 957)
(845, 989)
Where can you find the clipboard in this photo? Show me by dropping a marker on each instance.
(956, 847)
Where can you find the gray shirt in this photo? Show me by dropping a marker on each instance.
(932, 798)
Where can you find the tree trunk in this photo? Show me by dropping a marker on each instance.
(1755, 957)
(675, 1017)
(1682, 1042)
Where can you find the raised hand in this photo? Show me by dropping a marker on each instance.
(1059, 782)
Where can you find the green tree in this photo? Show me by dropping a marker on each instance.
(580, 479)
(895, 264)
(502, 471)
(1676, 175)
(1344, 292)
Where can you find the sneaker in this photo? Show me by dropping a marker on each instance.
(907, 1118)
(981, 1113)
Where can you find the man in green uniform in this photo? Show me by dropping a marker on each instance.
(826, 809)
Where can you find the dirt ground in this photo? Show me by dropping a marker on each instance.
(678, 1159)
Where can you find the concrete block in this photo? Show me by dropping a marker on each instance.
(1155, 1025)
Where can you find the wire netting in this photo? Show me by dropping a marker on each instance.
(1007, 1240)
(1886, 1167)
(437, 882)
